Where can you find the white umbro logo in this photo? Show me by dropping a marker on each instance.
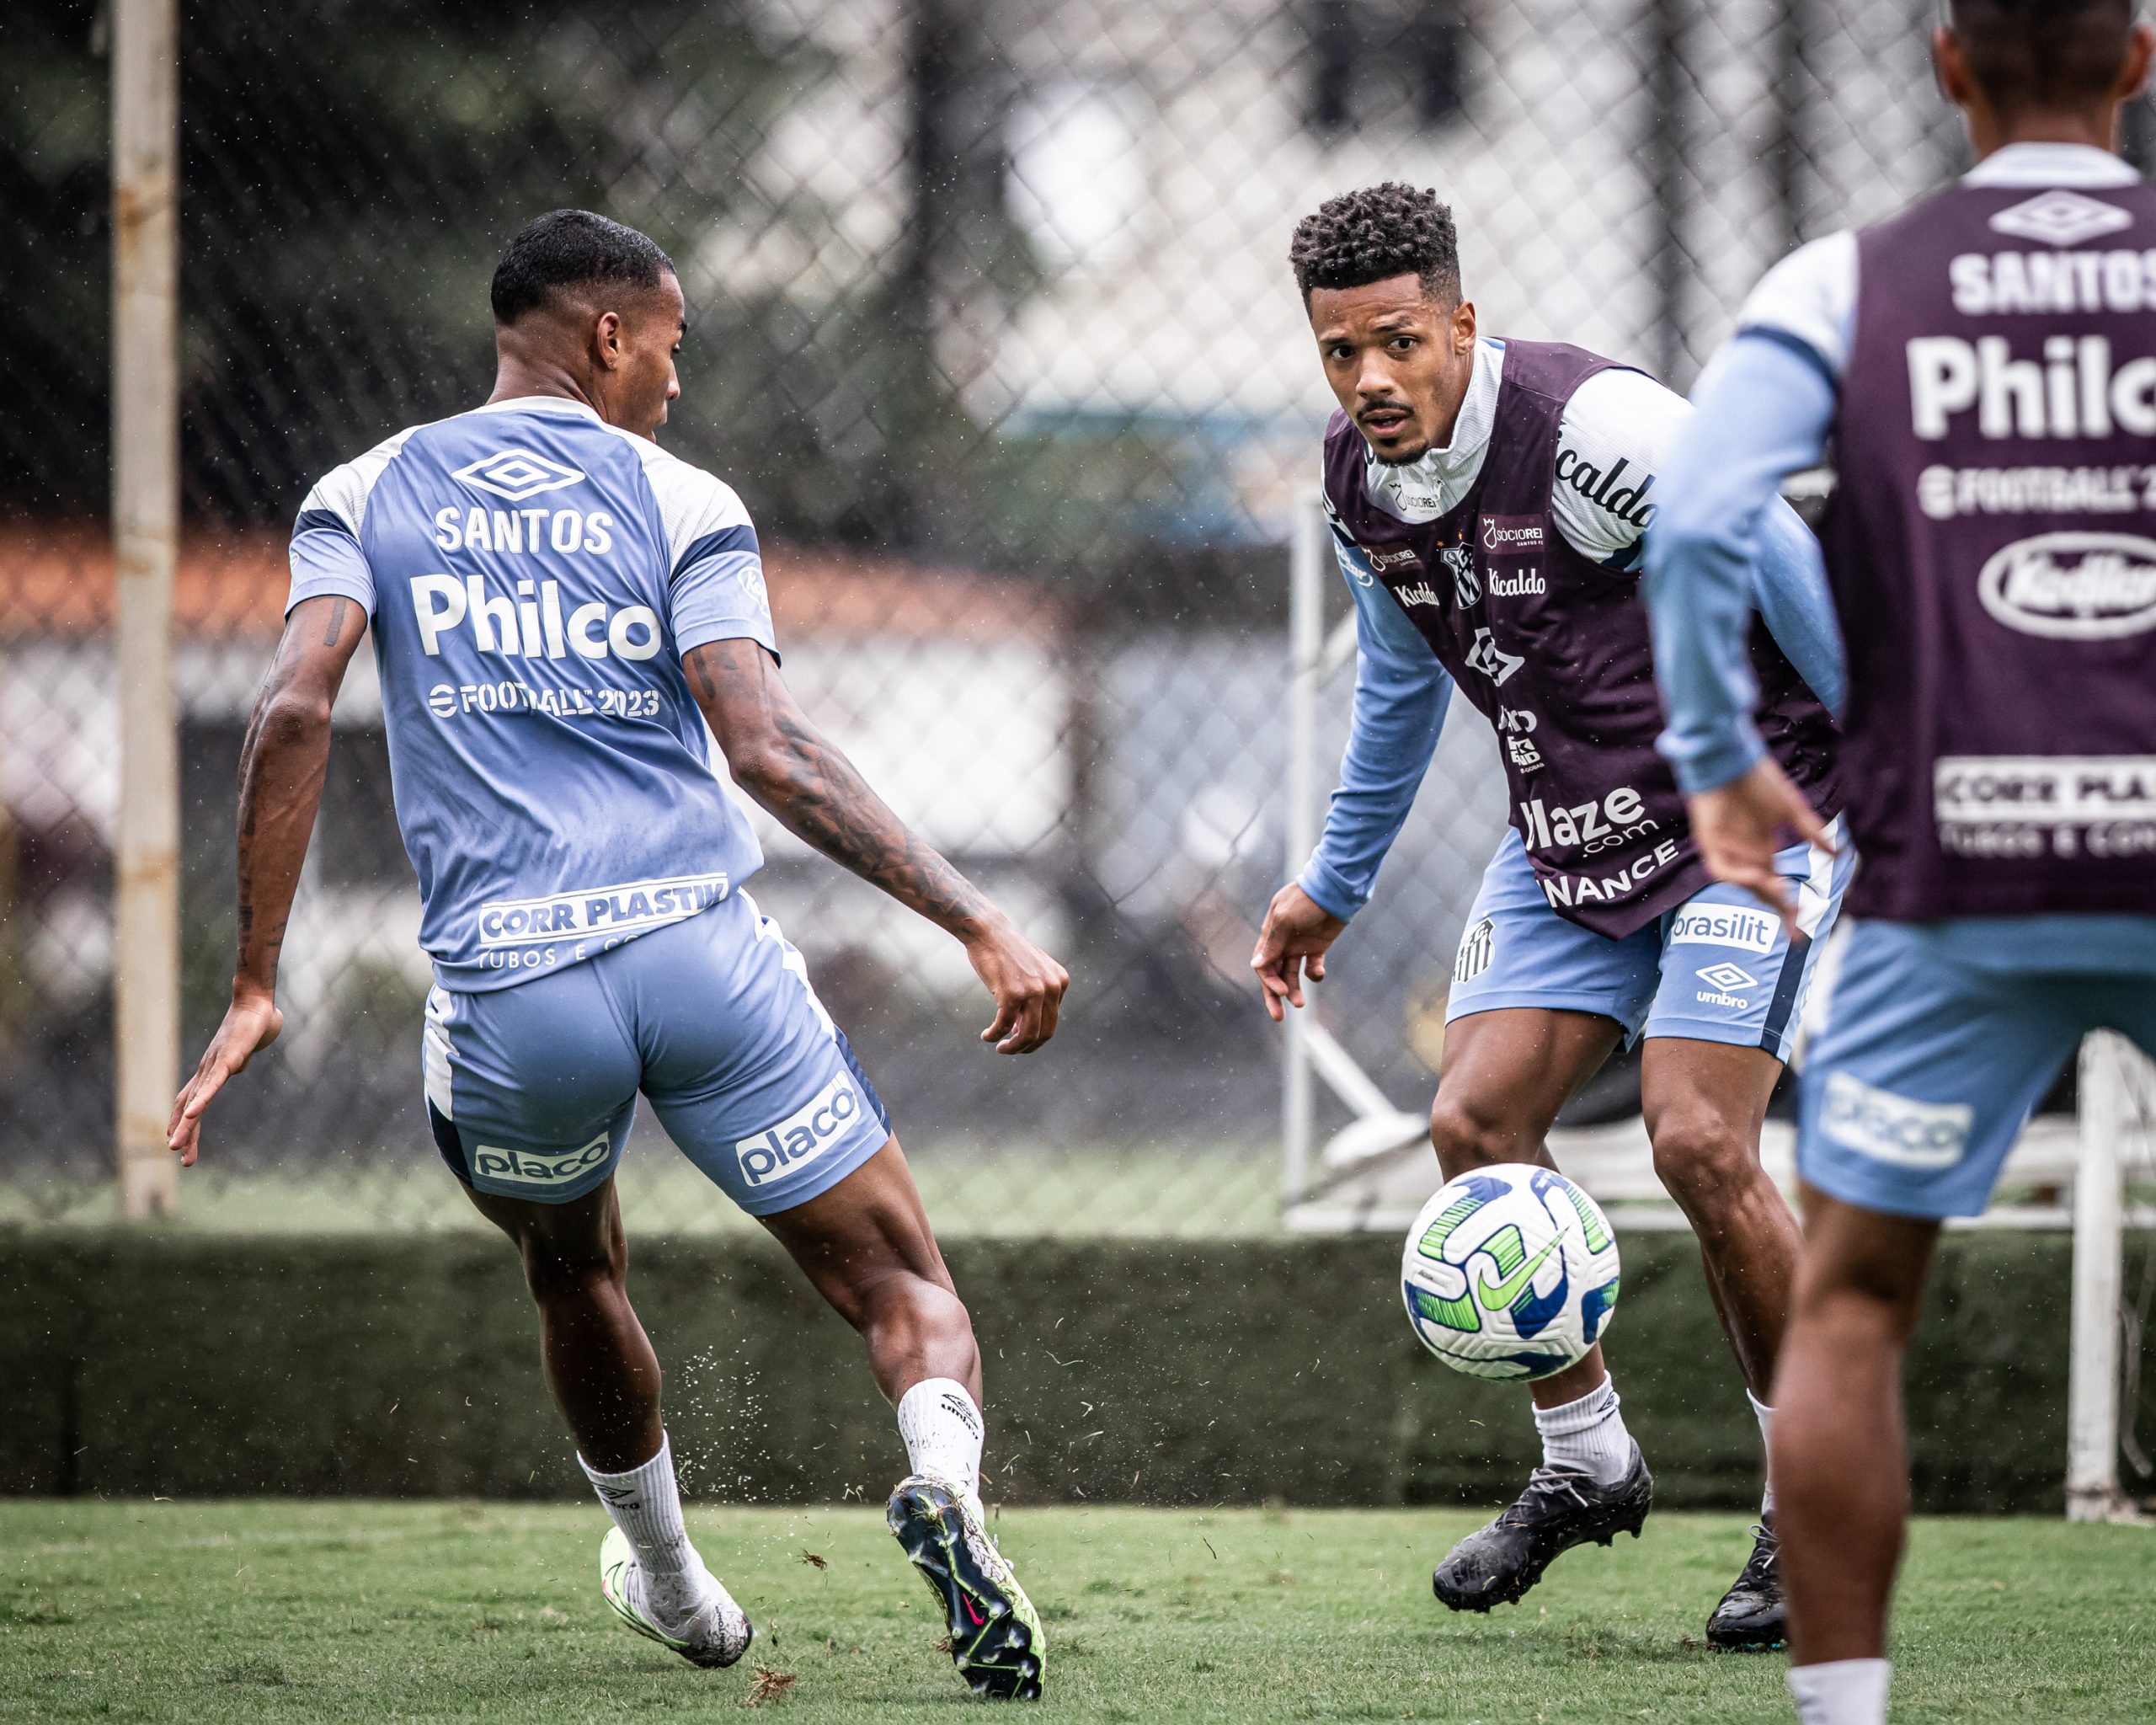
(2061, 218)
(1728, 976)
(517, 474)
(1486, 656)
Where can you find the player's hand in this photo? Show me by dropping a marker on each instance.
(251, 1024)
(1298, 931)
(1739, 826)
(1026, 983)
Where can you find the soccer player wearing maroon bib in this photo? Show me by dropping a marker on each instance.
(1487, 500)
(1985, 366)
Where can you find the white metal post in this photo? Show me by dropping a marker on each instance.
(1305, 649)
(2092, 1444)
(146, 529)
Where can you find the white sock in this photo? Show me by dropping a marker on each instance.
(1765, 1416)
(1587, 1436)
(1840, 1692)
(942, 1431)
(646, 1505)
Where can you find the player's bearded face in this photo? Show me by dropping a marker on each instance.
(1398, 361)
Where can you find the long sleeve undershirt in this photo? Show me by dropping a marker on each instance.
(1763, 410)
(1402, 693)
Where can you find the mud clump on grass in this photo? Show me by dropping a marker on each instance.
(770, 1686)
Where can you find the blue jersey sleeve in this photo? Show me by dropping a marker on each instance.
(715, 586)
(1400, 696)
(1790, 589)
(718, 591)
(326, 556)
(1723, 542)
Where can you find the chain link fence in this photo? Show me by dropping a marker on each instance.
(991, 328)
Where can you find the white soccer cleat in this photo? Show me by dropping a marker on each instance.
(714, 1636)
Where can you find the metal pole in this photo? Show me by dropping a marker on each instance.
(2092, 1444)
(144, 531)
(2137, 134)
(1664, 160)
(1791, 69)
(1306, 556)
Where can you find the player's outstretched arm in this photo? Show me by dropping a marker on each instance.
(779, 758)
(1400, 696)
(281, 767)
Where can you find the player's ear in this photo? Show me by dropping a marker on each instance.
(1463, 327)
(606, 339)
(1950, 66)
(2134, 77)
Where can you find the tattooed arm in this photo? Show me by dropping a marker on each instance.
(815, 792)
(282, 768)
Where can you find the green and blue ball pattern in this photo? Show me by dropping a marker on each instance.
(1510, 1272)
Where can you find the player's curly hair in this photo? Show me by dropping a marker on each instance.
(567, 249)
(1381, 231)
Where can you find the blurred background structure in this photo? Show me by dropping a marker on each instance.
(992, 330)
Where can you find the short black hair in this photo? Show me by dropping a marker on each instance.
(2043, 53)
(1381, 231)
(567, 249)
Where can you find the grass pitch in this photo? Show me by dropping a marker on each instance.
(372, 1611)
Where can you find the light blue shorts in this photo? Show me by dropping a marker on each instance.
(531, 1089)
(1717, 968)
(1928, 1061)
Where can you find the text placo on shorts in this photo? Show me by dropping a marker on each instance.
(803, 1136)
(521, 1167)
(1894, 1128)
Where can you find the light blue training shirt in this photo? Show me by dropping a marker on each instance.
(534, 576)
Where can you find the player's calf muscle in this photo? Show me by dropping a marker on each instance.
(866, 1245)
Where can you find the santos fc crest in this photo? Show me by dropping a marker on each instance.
(1466, 584)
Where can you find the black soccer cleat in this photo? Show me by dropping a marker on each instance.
(1560, 1508)
(1752, 1617)
(995, 1634)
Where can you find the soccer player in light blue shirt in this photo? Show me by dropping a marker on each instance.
(560, 608)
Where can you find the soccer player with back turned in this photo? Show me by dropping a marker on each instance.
(1487, 500)
(1984, 365)
(559, 607)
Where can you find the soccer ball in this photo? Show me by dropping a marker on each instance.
(1510, 1272)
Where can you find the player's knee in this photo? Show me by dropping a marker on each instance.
(1878, 1292)
(1701, 1156)
(1465, 1137)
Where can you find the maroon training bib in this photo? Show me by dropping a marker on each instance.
(1993, 552)
(1553, 648)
